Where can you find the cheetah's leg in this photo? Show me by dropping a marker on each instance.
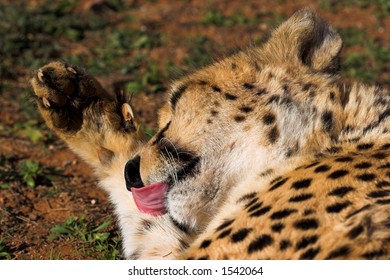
(104, 132)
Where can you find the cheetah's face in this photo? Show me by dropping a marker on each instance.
(228, 121)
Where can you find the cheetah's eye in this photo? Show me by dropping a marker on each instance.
(171, 150)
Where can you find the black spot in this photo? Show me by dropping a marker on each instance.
(273, 135)
(385, 166)
(307, 86)
(282, 213)
(261, 92)
(284, 244)
(355, 232)
(374, 254)
(379, 155)
(206, 243)
(301, 197)
(306, 224)
(277, 227)
(229, 96)
(322, 168)
(269, 119)
(240, 235)
(302, 184)
(239, 118)
(363, 165)
(286, 89)
(366, 177)
(337, 207)
(383, 116)
(366, 146)
(334, 150)
(176, 95)
(286, 100)
(332, 96)
(273, 99)
(202, 258)
(209, 121)
(214, 113)
(276, 179)
(327, 120)
(278, 184)
(306, 241)
(224, 225)
(307, 212)
(215, 88)
(383, 201)
(261, 211)
(202, 82)
(255, 207)
(385, 147)
(341, 191)
(340, 252)
(338, 174)
(250, 203)
(247, 196)
(246, 109)
(292, 151)
(382, 184)
(312, 164)
(378, 194)
(248, 86)
(234, 66)
(260, 243)
(309, 254)
(344, 159)
(224, 233)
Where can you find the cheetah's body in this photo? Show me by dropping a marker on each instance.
(266, 154)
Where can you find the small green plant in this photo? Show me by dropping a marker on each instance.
(30, 130)
(217, 18)
(200, 50)
(353, 36)
(4, 254)
(54, 255)
(29, 172)
(147, 79)
(92, 237)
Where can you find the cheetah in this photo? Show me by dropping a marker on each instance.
(265, 154)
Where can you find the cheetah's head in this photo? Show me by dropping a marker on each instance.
(241, 117)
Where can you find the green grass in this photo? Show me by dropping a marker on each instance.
(382, 6)
(30, 36)
(93, 239)
(28, 172)
(4, 254)
(370, 61)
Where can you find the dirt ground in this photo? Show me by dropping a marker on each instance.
(50, 204)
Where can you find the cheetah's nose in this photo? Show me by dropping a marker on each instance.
(132, 175)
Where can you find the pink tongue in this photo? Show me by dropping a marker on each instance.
(150, 199)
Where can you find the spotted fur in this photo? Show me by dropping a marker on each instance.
(267, 153)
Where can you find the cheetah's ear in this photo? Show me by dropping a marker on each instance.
(307, 38)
